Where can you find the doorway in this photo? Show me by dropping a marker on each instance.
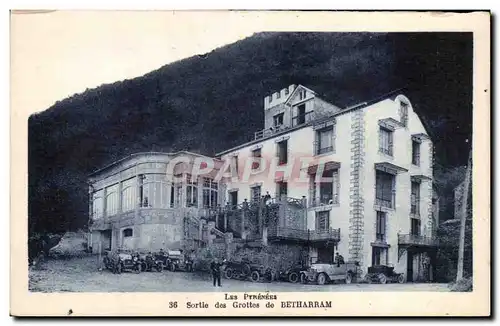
(233, 198)
(106, 239)
(409, 267)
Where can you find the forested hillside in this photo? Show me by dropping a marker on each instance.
(213, 101)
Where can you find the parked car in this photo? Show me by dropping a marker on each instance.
(122, 261)
(292, 274)
(383, 274)
(323, 273)
(244, 269)
(237, 270)
(151, 263)
(177, 261)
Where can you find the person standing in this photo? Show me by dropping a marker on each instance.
(215, 267)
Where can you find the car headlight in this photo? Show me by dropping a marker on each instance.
(135, 258)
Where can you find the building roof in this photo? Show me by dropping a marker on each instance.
(359, 106)
(115, 163)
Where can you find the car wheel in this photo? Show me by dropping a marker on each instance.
(172, 268)
(255, 276)
(382, 278)
(348, 278)
(293, 277)
(189, 268)
(119, 269)
(321, 279)
(137, 269)
(246, 270)
(401, 278)
(228, 273)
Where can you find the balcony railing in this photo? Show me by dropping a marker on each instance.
(323, 235)
(416, 240)
(322, 150)
(301, 119)
(269, 131)
(324, 200)
(278, 232)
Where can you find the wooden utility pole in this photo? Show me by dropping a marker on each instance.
(463, 218)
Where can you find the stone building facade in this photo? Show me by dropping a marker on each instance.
(364, 174)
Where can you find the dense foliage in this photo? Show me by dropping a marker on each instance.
(211, 102)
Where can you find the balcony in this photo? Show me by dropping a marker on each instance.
(304, 118)
(327, 199)
(264, 133)
(285, 233)
(412, 240)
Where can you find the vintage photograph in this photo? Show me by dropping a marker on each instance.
(284, 161)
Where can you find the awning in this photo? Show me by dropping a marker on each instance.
(330, 165)
(389, 168)
(419, 137)
(420, 178)
(390, 123)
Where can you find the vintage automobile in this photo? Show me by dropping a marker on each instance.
(177, 261)
(244, 269)
(383, 274)
(121, 261)
(323, 273)
(292, 274)
(150, 262)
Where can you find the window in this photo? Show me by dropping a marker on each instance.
(282, 154)
(415, 226)
(282, 189)
(415, 152)
(323, 221)
(129, 196)
(98, 204)
(302, 94)
(404, 113)
(270, 98)
(286, 91)
(381, 226)
(191, 192)
(178, 195)
(384, 191)
(256, 154)
(278, 95)
(172, 196)
(256, 194)
(112, 200)
(325, 140)
(301, 114)
(386, 141)
(415, 198)
(128, 232)
(327, 187)
(210, 193)
(379, 256)
(278, 119)
(234, 165)
(153, 191)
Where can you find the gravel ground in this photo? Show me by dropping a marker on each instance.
(83, 275)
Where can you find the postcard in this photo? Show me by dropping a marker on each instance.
(250, 163)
